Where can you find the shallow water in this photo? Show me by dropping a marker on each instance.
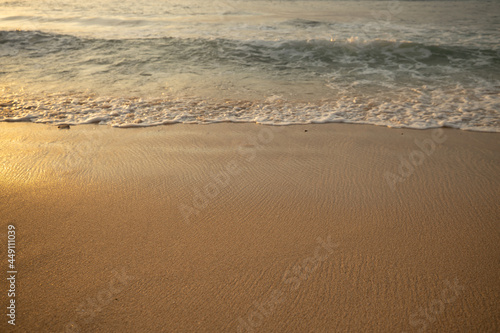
(127, 63)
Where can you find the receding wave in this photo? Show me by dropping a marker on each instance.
(137, 112)
(384, 82)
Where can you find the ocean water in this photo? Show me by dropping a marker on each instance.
(415, 64)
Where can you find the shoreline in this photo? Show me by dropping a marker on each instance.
(248, 228)
(95, 122)
(149, 111)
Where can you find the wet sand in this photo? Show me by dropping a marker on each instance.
(248, 228)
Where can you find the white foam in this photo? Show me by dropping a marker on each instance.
(418, 109)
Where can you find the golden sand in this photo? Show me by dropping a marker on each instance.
(248, 228)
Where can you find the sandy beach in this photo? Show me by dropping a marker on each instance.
(250, 228)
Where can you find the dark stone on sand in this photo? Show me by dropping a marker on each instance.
(63, 126)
